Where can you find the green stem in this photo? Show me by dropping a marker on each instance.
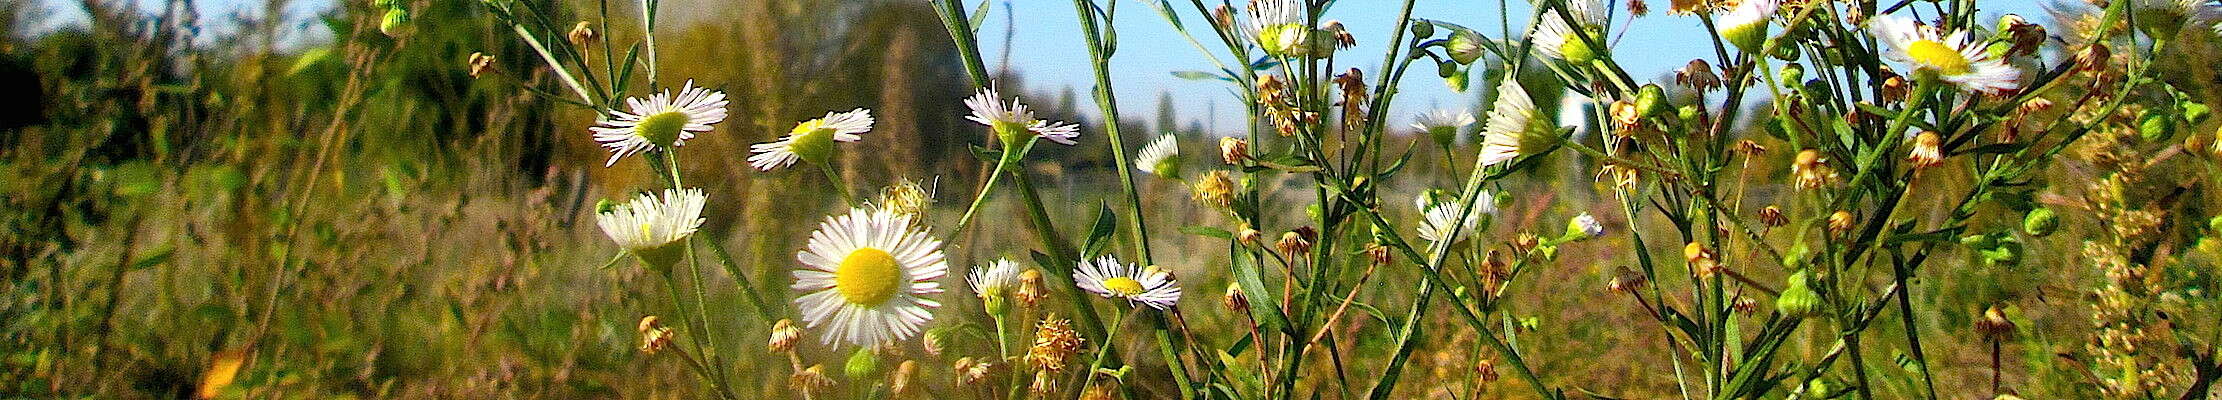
(839, 185)
(1105, 352)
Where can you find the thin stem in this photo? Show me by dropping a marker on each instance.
(839, 185)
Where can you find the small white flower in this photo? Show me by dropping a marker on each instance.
(1106, 276)
(1555, 36)
(1746, 25)
(1161, 157)
(1279, 26)
(1584, 226)
(864, 275)
(1515, 128)
(648, 225)
(661, 120)
(995, 279)
(811, 140)
(1441, 216)
(1010, 118)
(1443, 124)
(1955, 58)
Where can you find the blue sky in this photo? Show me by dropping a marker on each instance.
(1048, 50)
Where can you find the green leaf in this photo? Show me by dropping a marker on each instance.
(1099, 235)
(1201, 75)
(1246, 276)
(979, 15)
(309, 59)
(160, 256)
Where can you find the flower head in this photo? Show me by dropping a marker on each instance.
(1443, 124)
(1555, 36)
(1106, 276)
(659, 121)
(1927, 150)
(1161, 157)
(995, 284)
(1813, 170)
(1515, 128)
(1012, 121)
(1279, 27)
(1442, 217)
(1746, 25)
(650, 226)
(1054, 343)
(1584, 226)
(1955, 58)
(864, 274)
(811, 140)
(1215, 188)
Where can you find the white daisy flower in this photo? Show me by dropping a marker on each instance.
(1443, 124)
(1106, 276)
(1515, 128)
(811, 140)
(995, 279)
(1161, 157)
(1279, 26)
(1440, 217)
(649, 226)
(1584, 226)
(1955, 58)
(661, 120)
(2164, 16)
(1555, 36)
(1012, 119)
(864, 274)
(1746, 25)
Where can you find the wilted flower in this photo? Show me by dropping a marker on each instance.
(784, 335)
(971, 372)
(811, 140)
(1927, 150)
(1772, 217)
(1895, 89)
(906, 197)
(1840, 222)
(1994, 325)
(1697, 75)
(1054, 343)
(811, 382)
(1235, 300)
(1700, 259)
(583, 35)
(1044, 384)
(1626, 280)
(900, 383)
(479, 62)
(659, 121)
(654, 336)
(1812, 170)
(1031, 290)
(1486, 370)
(1214, 189)
(1745, 305)
(1234, 151)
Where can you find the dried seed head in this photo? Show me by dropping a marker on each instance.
(1214, 189)
(1235, 300)
(1749, 148)
(811, 382)
(479, 63)
(1927, 150)
(1249, 236)
(1701, 260)
(933, 342)
(1813, 170)
(1486, 369)
(1379, 254)
(2093, 58)
(1772, 217)
(1054, 343)
(654, 336)
(1638, 9)
(1626, 280)
(1840, 222)
(1044, 384)
(1994, 325)
(1745, 304)
(1223, 16)
(1895, 89)
(784, 336)
(1526, 243)
(1293, 244)
(1234, 151)
(906, 197)
(1697, 75)
(1031, 290)
(900, 384)
(583, 35)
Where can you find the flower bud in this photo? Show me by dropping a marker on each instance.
(1772, 217)
(2040, 222)
(2156, 126)
(784, 335)
(583, 35)
(1840, 222)
(396, 22)
(1235, 300)
(901, 384)
(1651, 100)
(1464, 45)
(1799, 300)
(862, 363)
(654, 336)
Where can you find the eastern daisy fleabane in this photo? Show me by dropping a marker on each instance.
(1955, 58)
(864, 275)
(1440, 219)
(1443, 124)
(1161, 157)
(651, 227)
(811, 140)
(1279, 27)
(1584, 226)
(1012, 120)
(1746, 25)
(659, 121)
(1515, 127)
(1555, 36)
(1106, 276)
(993, 283)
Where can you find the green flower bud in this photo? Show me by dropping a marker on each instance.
(1458, 78)
(1422, 28)
(2006, 253)
(2156, 126)
(1799, 300)
(1791, 74)
(2194, 111)
(2040, 222)
(396, 23)
(1651, 100)
(1464, 45)
(862, 363)
(1978, 241)
(1785, 53)
(1688, 113)
(2215, 224)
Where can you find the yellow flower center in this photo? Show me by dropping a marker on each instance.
(813, 141)
(1944, 58)
(868, 276)
(1124, 286)
(662, 128)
